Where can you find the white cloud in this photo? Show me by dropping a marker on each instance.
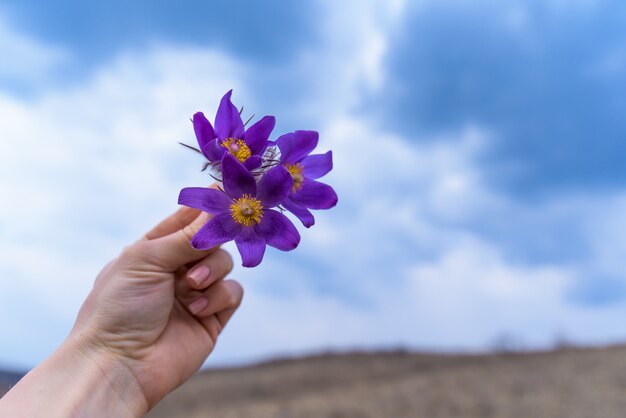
(87, 170)
(397, 262)
(26, 59)
(400, 261)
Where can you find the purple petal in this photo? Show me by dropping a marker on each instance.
(257, 134)
(302, 213)
(274, 186)
(220, 229)
(318, 165)
(283, 142)
(228, 123)
(251, 246)
(208, 200)
(213, 151)
(278, 231)
(203, 129)
(295, 146)
(253, 162)
(315, 195)
(236, 178)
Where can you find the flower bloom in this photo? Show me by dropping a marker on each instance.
(242, 212)
(230, 135)
(306, 193)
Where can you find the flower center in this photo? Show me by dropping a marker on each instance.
(238, 148)
(296, 173)
(247, 210)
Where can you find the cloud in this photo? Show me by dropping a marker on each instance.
(422, 250)
(27, 61)
(554, 96)
(390, 269)
(97, 32)
(88, 170)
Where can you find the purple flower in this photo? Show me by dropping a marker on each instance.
(306, 193)
(242, 212)
(230, 135)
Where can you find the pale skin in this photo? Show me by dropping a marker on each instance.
(151, 320)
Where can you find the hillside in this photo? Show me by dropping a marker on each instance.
(8, 379)
(574, 383)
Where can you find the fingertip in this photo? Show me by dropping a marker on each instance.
(178, 220)
(191, 229)
(235, 291)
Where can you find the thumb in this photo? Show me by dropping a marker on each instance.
(174, 250)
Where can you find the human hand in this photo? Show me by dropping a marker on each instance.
(158, 308)
(150, 321)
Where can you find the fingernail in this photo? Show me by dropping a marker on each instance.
(198, 305)
(199, 274)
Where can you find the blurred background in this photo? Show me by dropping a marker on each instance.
(478, 147)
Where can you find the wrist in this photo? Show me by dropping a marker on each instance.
(77, 380)
(110, 384)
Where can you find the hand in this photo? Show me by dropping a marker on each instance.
(160, 306)
(149, 323)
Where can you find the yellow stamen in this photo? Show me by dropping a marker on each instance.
(296, 173)
(247, 210)
(238, 148)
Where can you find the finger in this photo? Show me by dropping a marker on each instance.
(223, 294)
(187, 291)
(191, 284)
(178, 220)
(208, 270)
(224, 316)
(216, 323)
(216, 305)
(174, 250)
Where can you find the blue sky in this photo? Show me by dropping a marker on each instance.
(546, 75)
(478, 152)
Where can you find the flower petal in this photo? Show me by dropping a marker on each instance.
(257, 134)
(315, 195)
(278, 231)
(213, 151)
(207, 200)
(220, 229)
(236, 178)
(228, 123)
(318, 165)
(302, 213)
(274, 186)
(297, 145)
(251, 246)
(253, 162)
(284, 144)
(203, 129)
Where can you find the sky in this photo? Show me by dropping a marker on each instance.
(478, 151)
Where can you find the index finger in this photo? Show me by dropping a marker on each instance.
(176, 221)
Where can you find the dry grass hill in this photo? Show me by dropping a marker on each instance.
(572, 383)
(8, 379)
